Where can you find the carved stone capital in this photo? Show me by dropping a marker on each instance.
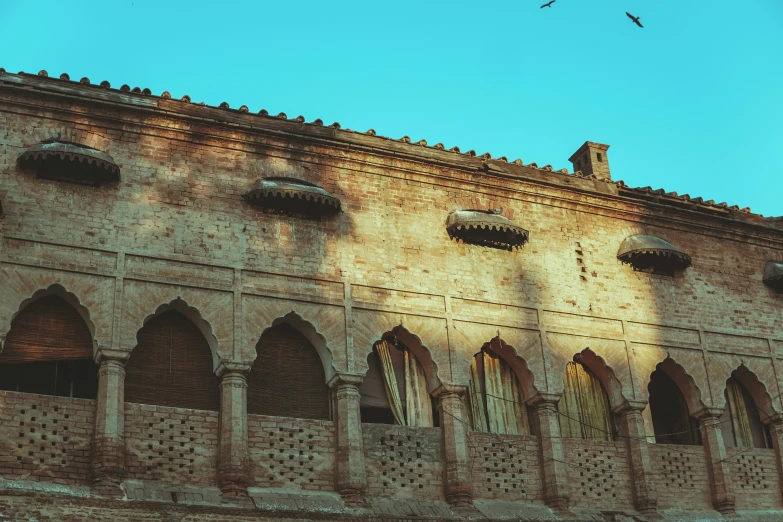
(544, 402)
(340, 380)
(104, 354)
(228, 367)
(448, 390)
(708, 416)
(630, 408)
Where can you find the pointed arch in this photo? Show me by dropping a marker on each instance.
(397, 383)
(685, 382)
(757, 389)
(289, 373)
(307, 329)
(64, 294)
(518, 365)
(173, 361)
(414, 344)
(673, 399)
(612, 385)
(49, 348)
(192, 313)
(748, 407)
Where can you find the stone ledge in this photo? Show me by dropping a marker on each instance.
(405, 507)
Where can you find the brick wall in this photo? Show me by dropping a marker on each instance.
(291, 453)
(403, 461)
(172, 445)
(505, 467)
(45, 438)
(598, 474)
(681, 480)
(754, 475)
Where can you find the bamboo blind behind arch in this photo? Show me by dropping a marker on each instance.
(287, 378)
(48, 329)
(172, 366)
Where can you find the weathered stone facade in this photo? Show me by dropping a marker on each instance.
(175, 232)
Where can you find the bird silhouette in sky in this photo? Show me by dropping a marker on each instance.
(548, 4)
(635, 19)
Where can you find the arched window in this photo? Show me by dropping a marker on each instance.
(584, 408)
(494, 402)
(287, 378)
(172, 366)
(741, 423)
(671, 417)
(394, 391)
(48, 351)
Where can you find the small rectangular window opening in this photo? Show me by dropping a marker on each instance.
(600, 157)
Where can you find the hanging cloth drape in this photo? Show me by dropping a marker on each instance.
(390, 382)
(584, 407)
(505, 411)
(738, 411)
(474, 399)
(418, 403)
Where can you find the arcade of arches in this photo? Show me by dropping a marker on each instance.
(49, 351)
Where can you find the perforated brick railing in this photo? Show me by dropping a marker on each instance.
(172, 445)
(755, 478)
(292, 453)
(598, 474)
(403, 461)
(680, 476)
(45, 438)
(505, 467)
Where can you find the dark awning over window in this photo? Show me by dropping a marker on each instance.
(292, 196)
(70, 162)
(651, 252)
(486, 229)
(773, 275)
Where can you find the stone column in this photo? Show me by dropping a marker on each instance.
(108, 447)
(350, 475)
(717, 461)
(233, 456)
(776, 430)
(554, 473)
(631, 423)
(457, 481)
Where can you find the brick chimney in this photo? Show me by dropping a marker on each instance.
(591, 159)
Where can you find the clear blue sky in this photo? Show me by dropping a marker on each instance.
(691, 103)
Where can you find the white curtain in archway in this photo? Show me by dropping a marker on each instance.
(584, 407)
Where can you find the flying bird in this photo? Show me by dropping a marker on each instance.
(634, 18)
(548, 4)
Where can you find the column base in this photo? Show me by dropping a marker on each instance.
(558, 503)
(107, 487)
(646, 506)
(460, 496)
(725, 506)
(353, 496)
(234, 483)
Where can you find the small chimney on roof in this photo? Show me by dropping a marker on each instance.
(591, 159)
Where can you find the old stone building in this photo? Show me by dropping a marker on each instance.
(208, 314)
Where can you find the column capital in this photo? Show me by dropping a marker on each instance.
(228, 367)
(708, 414)
(345, 379)
(544, 400)
(105, 354)
(447, 389)
(629, 408)
(775, 420)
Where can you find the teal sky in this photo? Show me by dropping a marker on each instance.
(692, 103)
